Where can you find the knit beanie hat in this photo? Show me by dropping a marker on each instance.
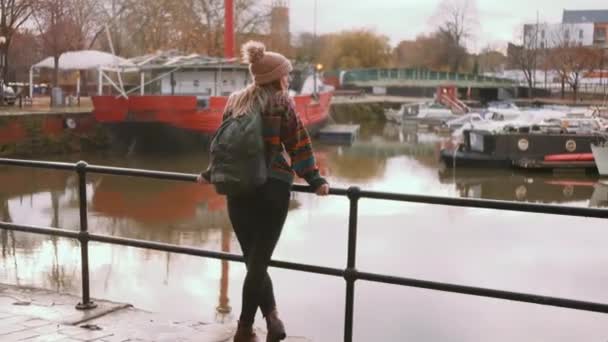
(265, 66)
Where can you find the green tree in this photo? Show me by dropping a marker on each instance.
(360, 48)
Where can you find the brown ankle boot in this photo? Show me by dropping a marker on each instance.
(276, 330)
(245, 333)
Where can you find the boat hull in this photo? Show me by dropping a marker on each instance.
(572, 157)
(600, 153)
(468, 159)
(190, 112)
(528, 150)
(160, 122)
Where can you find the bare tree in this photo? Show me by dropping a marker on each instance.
(143, 26)
(24, 52)
(250, 18)
(525, 57)
(211, 14)
(427, 51)
(13, 14)
(456, 20)
(602, 54)
(570, 59)
(157, 29)
(58, 28)
(88, 17)
(112, 13)
(491, 60)
(572, 62)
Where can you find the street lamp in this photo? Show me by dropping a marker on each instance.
(317, 68)
(2, 66)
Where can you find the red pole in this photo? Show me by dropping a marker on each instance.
(229, 29)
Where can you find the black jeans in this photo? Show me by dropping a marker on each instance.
(258, 219)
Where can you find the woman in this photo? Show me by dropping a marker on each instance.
(258, 217)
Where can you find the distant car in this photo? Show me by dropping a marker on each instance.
(9, 96)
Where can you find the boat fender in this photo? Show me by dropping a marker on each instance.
(568, 191)
(570, 145)
(70, 123)
(521, 192)
(523, 144)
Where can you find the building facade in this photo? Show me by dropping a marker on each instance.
(599, 18)
(548, 36)
(280, 37)
(578, 28)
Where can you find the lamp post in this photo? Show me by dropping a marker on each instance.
(314, 49)
(317, 68)
(2, 66)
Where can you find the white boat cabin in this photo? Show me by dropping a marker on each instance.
(175, 74)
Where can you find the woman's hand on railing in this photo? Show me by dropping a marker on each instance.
(323, 190)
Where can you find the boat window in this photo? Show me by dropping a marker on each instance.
(202, 102)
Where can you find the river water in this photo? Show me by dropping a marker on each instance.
(550, 255)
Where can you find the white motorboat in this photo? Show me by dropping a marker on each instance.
(420, 111)
(600, 154)
(471, 118)
(599, 199)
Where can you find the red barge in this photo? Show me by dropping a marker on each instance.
(189, 96)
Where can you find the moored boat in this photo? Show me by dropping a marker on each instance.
(191, 93)
(600, 154)
(523, 148)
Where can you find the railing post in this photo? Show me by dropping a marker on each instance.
(86, 304)
(350, 274)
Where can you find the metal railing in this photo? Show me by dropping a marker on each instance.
(418, 74)
(350, 273)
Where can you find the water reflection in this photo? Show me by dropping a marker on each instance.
(526, 187)
(366, 159)
(385, 157)
(180, 213)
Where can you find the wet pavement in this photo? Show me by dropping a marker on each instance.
(34, 315)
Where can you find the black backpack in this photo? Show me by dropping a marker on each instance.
(238, 163)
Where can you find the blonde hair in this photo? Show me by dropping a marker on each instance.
(245, 100)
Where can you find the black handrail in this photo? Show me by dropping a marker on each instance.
(350, 273)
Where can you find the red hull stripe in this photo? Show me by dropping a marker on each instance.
(570, 157)
(183, 111)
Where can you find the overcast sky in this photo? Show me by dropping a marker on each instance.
(404, 19)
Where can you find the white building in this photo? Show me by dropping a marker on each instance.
(548, 36)
(578, 28)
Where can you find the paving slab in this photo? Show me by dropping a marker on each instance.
(33, 315)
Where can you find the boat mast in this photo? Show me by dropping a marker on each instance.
(228, 39)
(315, 49)
(228, 29)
